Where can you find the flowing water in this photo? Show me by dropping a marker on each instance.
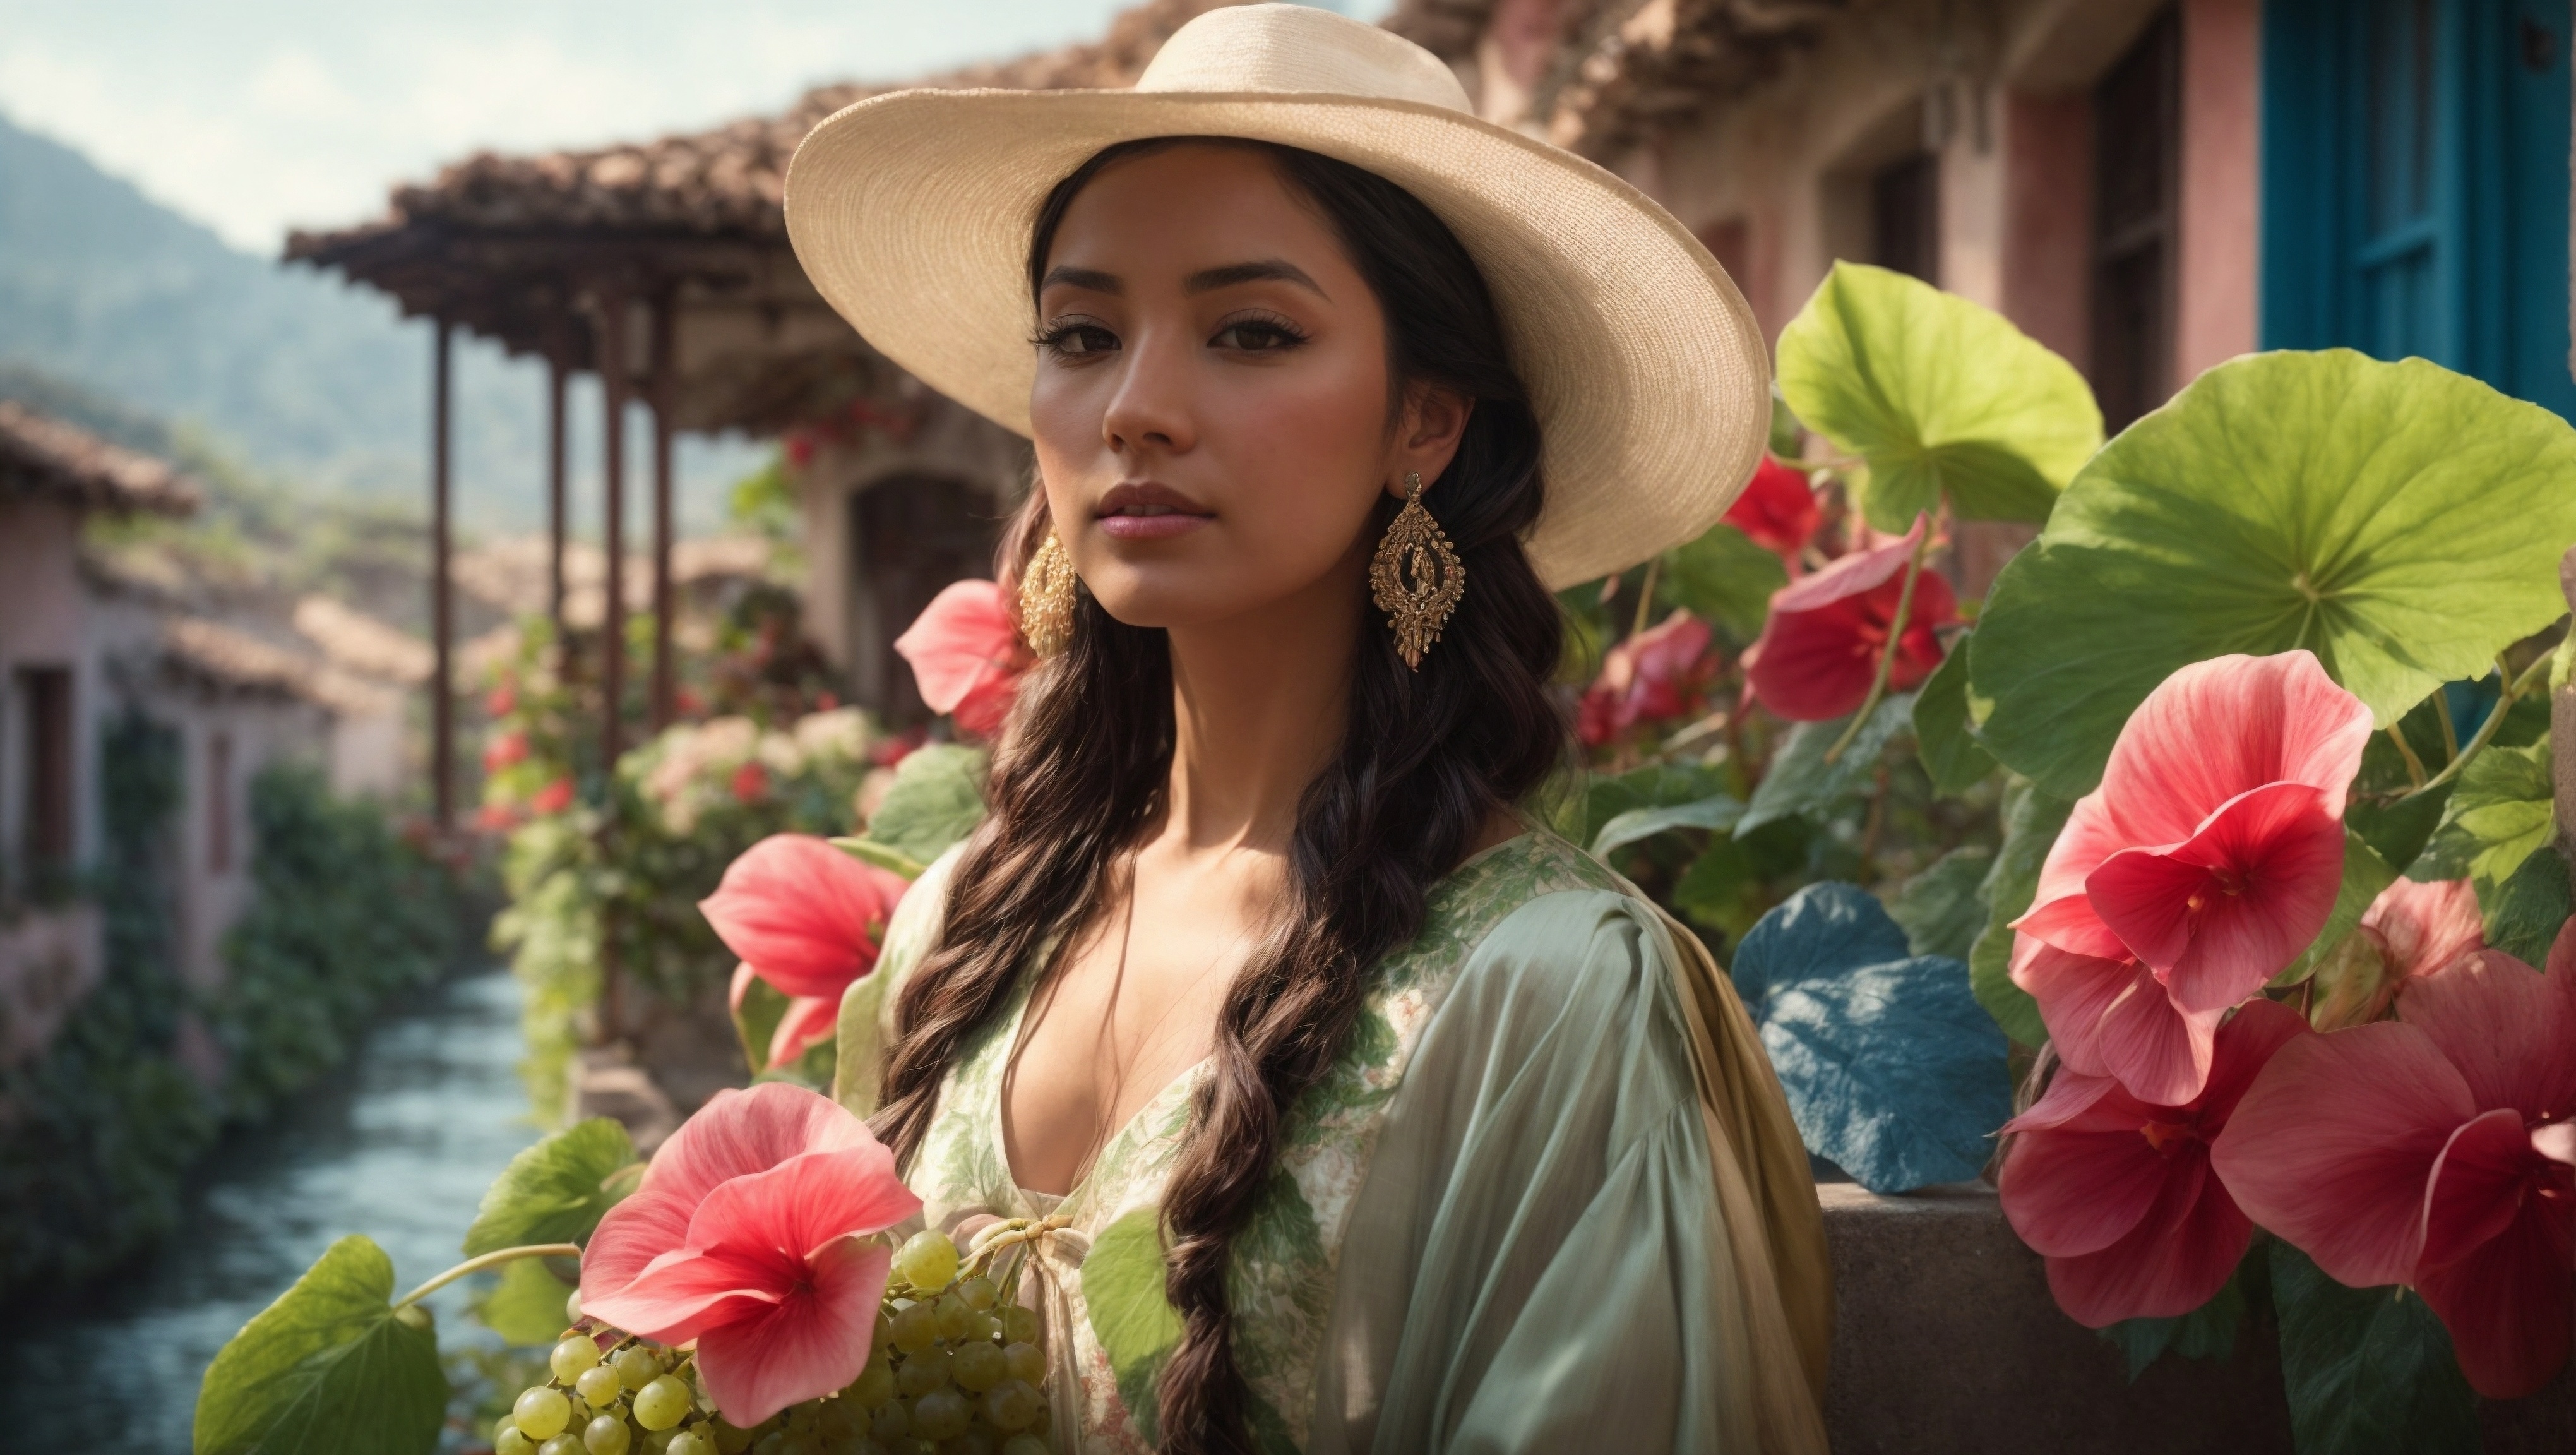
(398, 1145)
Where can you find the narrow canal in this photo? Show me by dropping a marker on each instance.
(399, 1145)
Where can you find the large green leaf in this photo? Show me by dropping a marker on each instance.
(1604, 799)
(2399, 520)
(2524, 914)
(1122, 1287)
(1940, 396)
(1942, 736)
(556, 1191)
(1724, 577)
(2031, 820)
(328, 1369)
(2368, 1370)
(2207, 1332)
(2501, 812)
(528, 1306)
(936, 799)
(1717, 813)
(1943, 908)
(1800, 780)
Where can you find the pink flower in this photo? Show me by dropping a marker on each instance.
(2435, 1150)
(506, 750)
(555, 797)
(1650, 676)
(1820, 648)
(501, 701)
(2117, 1194)
(1777, 510)
(966, 654)
(753, 1235)
(806, 918)
(2410, 931)
(2206, 861)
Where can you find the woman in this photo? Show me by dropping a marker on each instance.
(1368, 1115)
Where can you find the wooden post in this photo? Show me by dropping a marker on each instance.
(442, 622)
(612, 620)
(557, 368)
(660, 401)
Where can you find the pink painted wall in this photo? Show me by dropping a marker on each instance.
(2215, 317)
(2048, 221)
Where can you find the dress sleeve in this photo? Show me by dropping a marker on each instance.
(867, 1007)
(1537, 1261)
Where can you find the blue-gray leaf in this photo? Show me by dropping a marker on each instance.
(1894, 1072)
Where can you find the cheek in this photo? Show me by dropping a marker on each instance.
(1304, 449)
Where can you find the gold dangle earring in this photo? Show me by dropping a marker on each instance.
(1046, 598)
(1416, 547)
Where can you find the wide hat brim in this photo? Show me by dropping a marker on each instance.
(912, 214)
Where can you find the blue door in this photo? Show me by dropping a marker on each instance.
(2415, 185)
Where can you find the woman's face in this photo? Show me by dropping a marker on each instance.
(1211, 409)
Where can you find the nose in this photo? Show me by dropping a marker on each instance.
(1150, 411)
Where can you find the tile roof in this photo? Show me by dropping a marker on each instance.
(41, 454)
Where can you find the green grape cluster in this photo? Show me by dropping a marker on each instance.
(953, 1369)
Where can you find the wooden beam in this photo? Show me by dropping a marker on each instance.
(660, 391)
(614, 386)
(442, 621)
(557, 369)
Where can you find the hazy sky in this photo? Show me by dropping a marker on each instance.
(254, 116)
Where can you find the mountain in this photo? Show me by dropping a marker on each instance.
(304, 378)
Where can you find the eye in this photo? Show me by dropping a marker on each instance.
(1257, 334)
(1077, 338)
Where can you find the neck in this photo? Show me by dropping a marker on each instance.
(1259, 702)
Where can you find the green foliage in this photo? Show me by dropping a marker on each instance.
(2031, 819)
(1802, 780)
(2207, 1332)
(1724, 578)
(343, 913)
(330, 1367)
(104, 1123)
(1122, 1286)
(526, 1308)
(1717, 813)
(680, 809)
(2368, 1371)
(937, 799)
(1943, 909)
(1942, 398)
(556, 1191)
(2401, 521)
(1942, 735)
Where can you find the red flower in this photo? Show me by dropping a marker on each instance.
(1777, 510)
(799, 449)
(2435, 1150)
(890, 751)
(496, 818)
(555, 797)
(2206, 861)
(808, 919)
(1649, 677)
(827, 701)
(750, 782)
(2117, 1194)
(500, 701)
(505, 751)
(965, 652)
(1820, 648)
(753, 1234)
(688, 702)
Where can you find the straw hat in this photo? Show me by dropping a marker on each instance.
(912, 212)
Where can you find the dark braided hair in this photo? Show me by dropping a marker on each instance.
(1425, 761)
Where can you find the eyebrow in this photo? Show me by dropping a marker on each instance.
(1206, 280)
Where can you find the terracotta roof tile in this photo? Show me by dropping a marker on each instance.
(39, 453)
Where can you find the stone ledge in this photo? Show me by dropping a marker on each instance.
(1946, 1340)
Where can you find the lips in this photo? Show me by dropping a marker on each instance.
(1146, 511)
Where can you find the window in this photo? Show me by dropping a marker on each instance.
(2415, 185)
(219, 803)
(2137, 135)
(915, 535)
(46, 834)
(1905, 216)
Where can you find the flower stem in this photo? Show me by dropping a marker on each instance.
(2513, 689)
(489, 1260)
(1645, 596)
(2406, 750)
(1887, 656)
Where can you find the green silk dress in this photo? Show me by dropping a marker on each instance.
(1492, 1227)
